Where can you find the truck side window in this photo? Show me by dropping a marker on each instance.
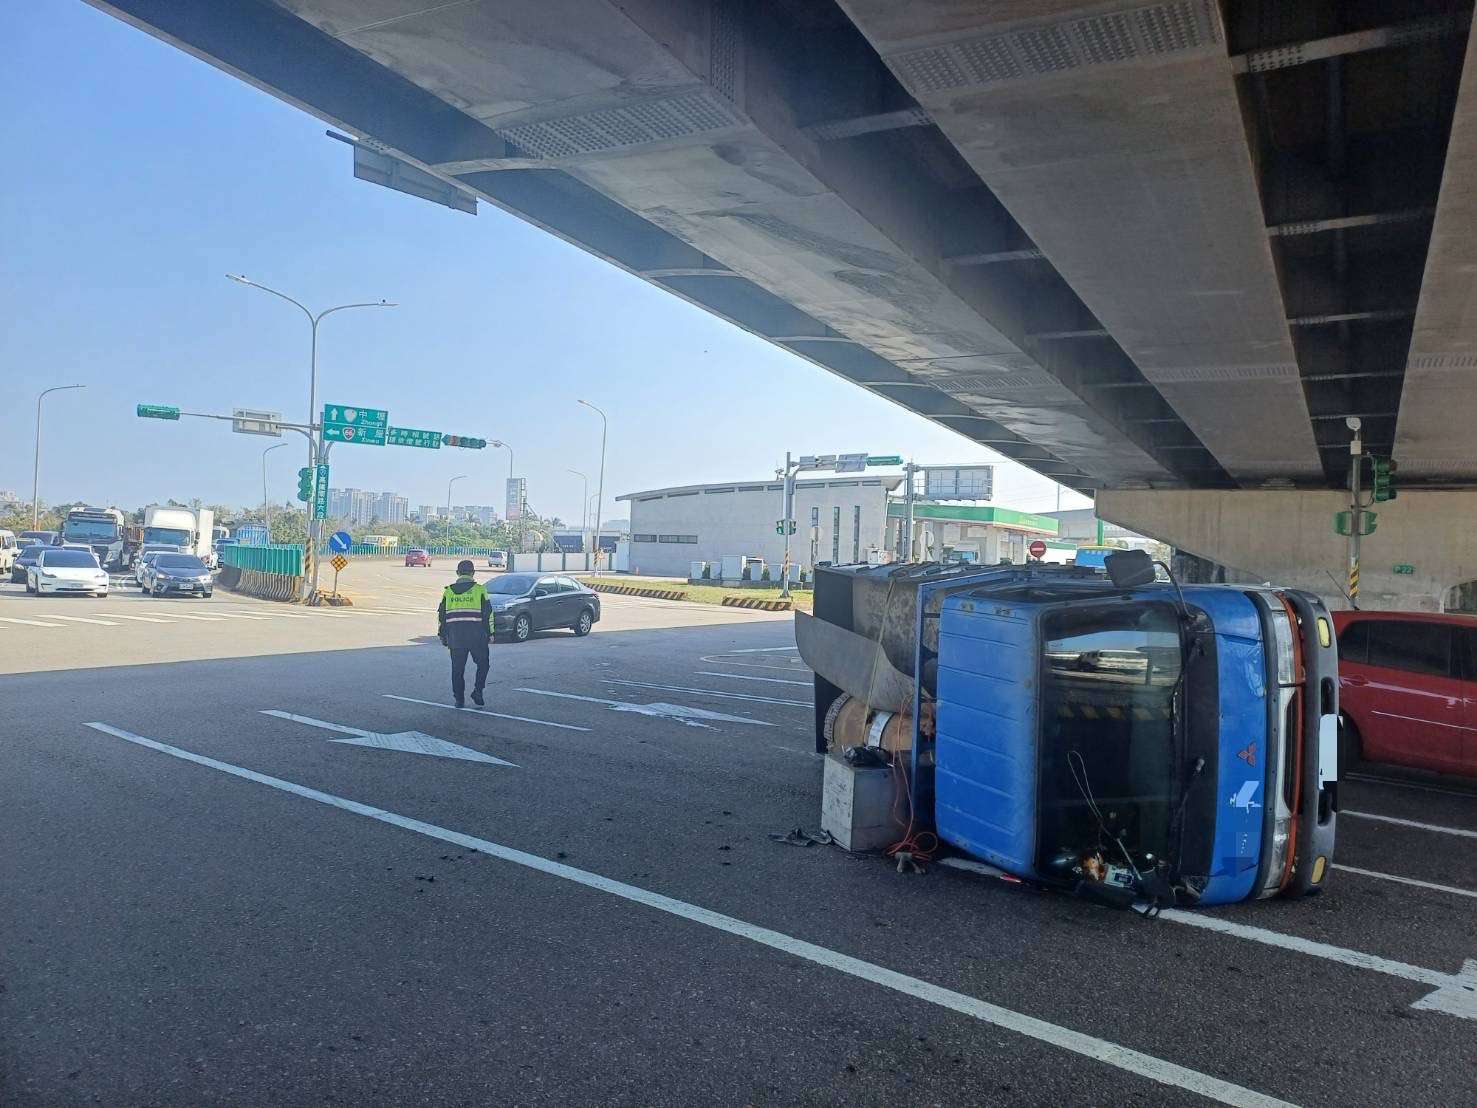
(1411, 647)
(1354, 643)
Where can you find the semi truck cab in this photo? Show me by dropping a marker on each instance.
(1125, 743)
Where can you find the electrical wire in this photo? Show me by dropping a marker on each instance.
(1085, 788)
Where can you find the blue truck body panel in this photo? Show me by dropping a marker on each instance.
(985, 781)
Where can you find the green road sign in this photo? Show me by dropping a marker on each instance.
(884, 460)
(466, 442)
(157, 411)
(407, 436)
(320, 494)
(350, 423)
(1402, 567)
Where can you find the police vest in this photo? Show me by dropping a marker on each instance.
(463, 607)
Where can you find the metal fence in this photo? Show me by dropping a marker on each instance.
(277, 558)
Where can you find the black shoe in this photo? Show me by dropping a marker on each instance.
(460, 703)
(477, 698)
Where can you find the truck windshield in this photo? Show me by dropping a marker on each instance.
(90, 530)
(1108, 764)
(168, 536)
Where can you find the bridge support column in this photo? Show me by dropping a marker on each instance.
(1423, 550)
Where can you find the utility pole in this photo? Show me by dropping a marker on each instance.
(600, 494)
(787, 511)
(36, 467)
(1356, 510)
(267, 500)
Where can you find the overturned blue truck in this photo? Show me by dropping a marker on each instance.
(1103, 732)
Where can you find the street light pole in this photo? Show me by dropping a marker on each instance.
(454, 480)
(585, 512)
(600, 488)
(36, 466)
(509, 449)
(266, 500)
(317, 452)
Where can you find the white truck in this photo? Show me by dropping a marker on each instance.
(188, 530)
(102, 530)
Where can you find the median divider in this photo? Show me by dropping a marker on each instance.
(266, 572)
(755, 602)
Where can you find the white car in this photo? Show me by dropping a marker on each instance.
(63, 570)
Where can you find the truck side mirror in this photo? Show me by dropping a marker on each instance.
(1129, 569)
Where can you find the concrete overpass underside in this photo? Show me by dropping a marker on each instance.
(1133, 246)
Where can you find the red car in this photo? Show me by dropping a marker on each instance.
(1408, 689)
(417, 558)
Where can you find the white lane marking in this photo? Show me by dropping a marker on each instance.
(797, 665)
(1456, 993)
(1462, 831)
(1466, 794)
(759, 650)
(688, 717)
(1406, 880)
(486, 712)
(708, 692)
(189, 615)
(81, 619)
(751, 677)
(139, 619)
(29, 622)
(1088, 1046)
(410, 742)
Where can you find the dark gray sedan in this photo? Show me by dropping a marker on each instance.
(523, 603)
(24, 560)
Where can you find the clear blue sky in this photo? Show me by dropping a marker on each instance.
(138, 177)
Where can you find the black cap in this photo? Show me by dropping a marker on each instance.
(464, 568)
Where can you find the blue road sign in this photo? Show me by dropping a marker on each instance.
(340, 542)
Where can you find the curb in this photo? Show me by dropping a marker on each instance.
(762, 605)
(635, 590)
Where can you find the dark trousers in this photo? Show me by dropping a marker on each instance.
(459, 655)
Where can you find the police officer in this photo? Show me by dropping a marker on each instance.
(464, 620)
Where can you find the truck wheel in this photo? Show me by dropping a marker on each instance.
(522, 629)
(1351, 746)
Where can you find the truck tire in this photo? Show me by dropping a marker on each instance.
(1351, 746)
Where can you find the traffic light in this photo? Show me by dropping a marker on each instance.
(305, 484)
(1382, 489)
(466, 442)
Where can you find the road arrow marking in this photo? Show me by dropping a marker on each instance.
(411, 742)
(688, 717)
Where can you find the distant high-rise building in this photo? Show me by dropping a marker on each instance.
(427, 511)
(391, 508)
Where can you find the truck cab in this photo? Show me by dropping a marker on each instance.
(1124, 743)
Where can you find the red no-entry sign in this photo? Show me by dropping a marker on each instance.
(1037, 549)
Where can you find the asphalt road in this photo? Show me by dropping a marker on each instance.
(579, 901)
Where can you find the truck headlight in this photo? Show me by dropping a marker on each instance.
(1282, 633)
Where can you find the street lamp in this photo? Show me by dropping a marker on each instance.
(585, 513)
(454, 480)
(499, 443)
(317, 452)
(36, 466)
(600, 493)
(266, 501)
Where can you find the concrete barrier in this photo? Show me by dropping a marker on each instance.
(284, 587)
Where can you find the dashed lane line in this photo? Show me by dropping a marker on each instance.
(28, 622)
(486, 712)
(1417, 786)
(1461, 831)
(708, 692)
(751, 677)
(1064, 1038)
(82, 619)
(1406, 880)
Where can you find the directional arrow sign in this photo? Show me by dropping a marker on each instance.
(411, 742)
